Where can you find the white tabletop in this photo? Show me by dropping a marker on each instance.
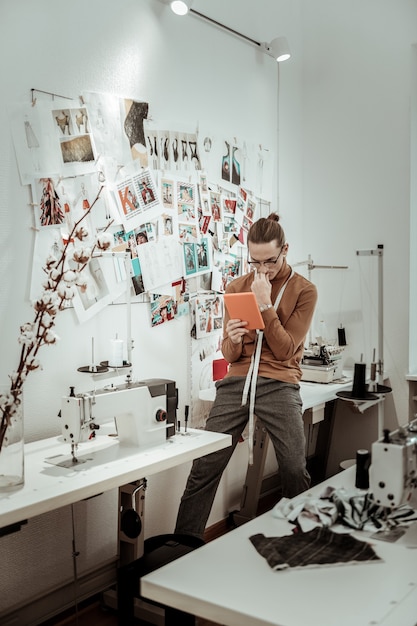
(109, 465)
(227, 581)
(312, 394)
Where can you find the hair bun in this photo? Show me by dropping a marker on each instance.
(274, 217)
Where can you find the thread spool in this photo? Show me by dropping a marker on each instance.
(116, 353)
(359, 387)
(363, 461)
(341, 335)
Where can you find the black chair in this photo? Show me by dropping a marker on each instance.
(158, 551)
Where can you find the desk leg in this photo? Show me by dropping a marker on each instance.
(254, 478)
(173, 617)
(127, 587)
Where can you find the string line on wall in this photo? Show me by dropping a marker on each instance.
(49, 93)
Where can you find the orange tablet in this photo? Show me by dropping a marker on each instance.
(243, 306)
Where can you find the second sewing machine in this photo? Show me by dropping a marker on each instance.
(144, 413)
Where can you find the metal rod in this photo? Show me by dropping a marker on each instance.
(381, 316)
(128, 307)
(224, 27)
(49, 93)
(379, 252)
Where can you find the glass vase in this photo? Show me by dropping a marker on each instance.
(12, 444)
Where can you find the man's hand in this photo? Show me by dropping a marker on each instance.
(235, 330)
(262, 288)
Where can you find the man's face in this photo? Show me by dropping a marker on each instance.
(267, 258)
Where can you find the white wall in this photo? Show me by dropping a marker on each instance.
(344, 185)
(348, 178)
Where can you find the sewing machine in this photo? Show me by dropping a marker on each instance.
(144, 413)
(393, 471)
(321, 363)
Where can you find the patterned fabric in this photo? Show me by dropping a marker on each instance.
(320, 546)
(351, 508)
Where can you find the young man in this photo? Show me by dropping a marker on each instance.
(263, 377)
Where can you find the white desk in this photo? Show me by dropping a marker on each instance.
(49, 487)
(227, 581)
(312, 394)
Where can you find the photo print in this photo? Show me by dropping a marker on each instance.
(188, 232)
(171, 149)
(231, 163)
(72, 131)
(197, 257)
(148, 196)
(167, 193)
(134, 195)
(36, 142)
(215, 207)
(163, 309)
(226, 267)
(208, 314)
(133, 115)
(203, 222)
(49, 204)
(186, 202)
(115, 129)
(95, 295)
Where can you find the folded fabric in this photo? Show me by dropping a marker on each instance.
(318, 547)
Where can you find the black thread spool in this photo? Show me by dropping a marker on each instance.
(359, 387)
(363, 461)
(341, 336)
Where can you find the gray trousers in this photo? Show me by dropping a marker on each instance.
(278, 407)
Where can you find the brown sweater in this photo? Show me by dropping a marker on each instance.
(284, 333)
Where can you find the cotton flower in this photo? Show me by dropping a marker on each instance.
(66, 292)
(6, 399)
(82, 255)
(104, 241)
(47, 321)
(82, 283)
(27, 327)
(81, 233)
(49, 284)
(54, 275)
(27, 335)
(69, 276)
(33, 364)
(48, 302)
(51, 262)
(50, 337)
(27, 339)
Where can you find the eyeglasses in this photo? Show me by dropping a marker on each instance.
(269, 264)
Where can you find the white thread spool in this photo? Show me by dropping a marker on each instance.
(116, 354)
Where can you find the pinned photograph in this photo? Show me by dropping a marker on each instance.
(163, 309)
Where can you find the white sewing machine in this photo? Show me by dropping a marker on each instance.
(393, 471)
(321, 363)
(144, 413)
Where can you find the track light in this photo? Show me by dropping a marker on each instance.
(278, 49)
(180, 7)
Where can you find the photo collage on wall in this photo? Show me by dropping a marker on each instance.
(177, 203)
